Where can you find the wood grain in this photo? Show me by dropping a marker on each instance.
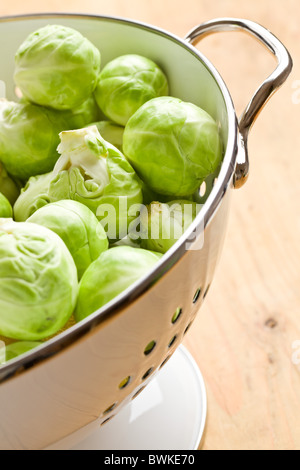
(243, 337)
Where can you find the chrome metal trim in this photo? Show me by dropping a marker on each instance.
(264, 92)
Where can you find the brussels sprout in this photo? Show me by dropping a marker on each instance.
(126, 83)
(29, 137)
(84, 115)
(111, 132)
(114, 271)
(78, 227)
(172, 145)
(90, 171)
(33, 196)
(5, 207)
(7, 186)
(57, 67)
(17, 349)
(161, 225)
(38, 281)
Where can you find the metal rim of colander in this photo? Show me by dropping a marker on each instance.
(114, 307)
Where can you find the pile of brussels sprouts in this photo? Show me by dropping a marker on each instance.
(98, 172)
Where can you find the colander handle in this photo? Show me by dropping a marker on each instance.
(263, 93)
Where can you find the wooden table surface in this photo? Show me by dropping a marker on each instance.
(245, 337)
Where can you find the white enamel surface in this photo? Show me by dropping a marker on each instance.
(74, 387)
(169, 414)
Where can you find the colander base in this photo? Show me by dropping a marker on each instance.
(169, 414)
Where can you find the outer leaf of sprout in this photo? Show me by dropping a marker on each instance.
(111, 132)
(7, 186)
(33, 196)
(5, 207)
(84, 149)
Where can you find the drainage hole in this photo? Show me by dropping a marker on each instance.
(149, 372)
(109, 409)
(172, 341)
(197, 295)
(149, 348)
(106, 420)
(124, 382)
(176, 315)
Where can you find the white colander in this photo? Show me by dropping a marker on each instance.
(89, 372)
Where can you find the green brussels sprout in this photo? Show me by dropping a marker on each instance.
(84, 115)
(162, 224)
(57, 67)
(173, 145)
(111, 132)
(126, 83)
(29, 137)
(7, 186)
(38, 281)
(33, 196)
(93, 172)
(5, 207)
(78, 227)
(113, 272)
(17, 349)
